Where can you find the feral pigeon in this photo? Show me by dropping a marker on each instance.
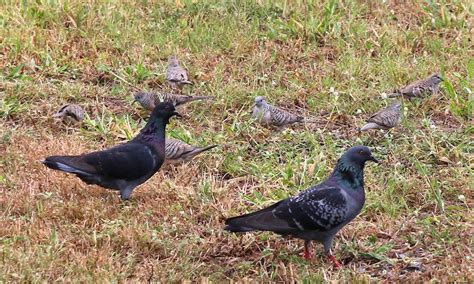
(320, 211)
(419, 89)
(273, 116)
(125, 166)
(175, 74)
(70, 113)
(148, 100)
(178, 152)
(384, 119)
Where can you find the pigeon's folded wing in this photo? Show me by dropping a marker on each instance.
(316, 209)
(127, 161)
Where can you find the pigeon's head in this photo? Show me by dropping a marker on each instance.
(358, 155)
(436, 78)
(165, 110)
(259, 101)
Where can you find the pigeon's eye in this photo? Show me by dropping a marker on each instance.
(361, 152)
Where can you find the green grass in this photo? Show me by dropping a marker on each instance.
(298, 54)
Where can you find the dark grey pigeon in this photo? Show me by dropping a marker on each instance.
(319, 212)
(125, 166)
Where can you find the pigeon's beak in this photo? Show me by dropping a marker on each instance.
(175, 113)
(373, 159)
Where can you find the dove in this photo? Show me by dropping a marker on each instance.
(127, 165)
(319, 212)
(420, 88)
(384, 119)
(178, 152)
(176, 75)
(148, 100)
(270, 115)
(70, 113)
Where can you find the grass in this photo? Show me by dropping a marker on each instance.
(330, 60)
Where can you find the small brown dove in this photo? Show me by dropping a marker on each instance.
(178, 152)
(70, 113)
(148, 100)
(273, 116)
(420, 88)
(384, 119)
(176, 75)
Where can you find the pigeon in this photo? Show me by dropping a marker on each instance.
(175, 74)
(273, 116)
(70, 114)
(124, 166)
(318, 212)
(178, 152)
(148, 100)
(384, 119)
(420, 88)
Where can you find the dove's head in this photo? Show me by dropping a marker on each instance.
(436, 78)
(260, 101)
(357, 156)
(172, 60)
(165, 110)
(396, 106)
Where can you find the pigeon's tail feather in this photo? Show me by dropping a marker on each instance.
(263, 220)
(370, 125)
(57, 163)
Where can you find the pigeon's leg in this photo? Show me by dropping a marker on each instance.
(333, 259)
(126, 192)
(307, 250)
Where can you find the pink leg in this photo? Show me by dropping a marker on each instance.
(333, 259)
(307, 250)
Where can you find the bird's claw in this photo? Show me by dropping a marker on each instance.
(333, 259)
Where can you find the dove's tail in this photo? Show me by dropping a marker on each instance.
(308, 120)
(394, 94)
(370, 125)
(197, 98)
(203, 149)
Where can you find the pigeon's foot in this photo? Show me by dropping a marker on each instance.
(307, 250)
(333, 259)
(307, 255)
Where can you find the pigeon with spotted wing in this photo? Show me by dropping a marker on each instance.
(420, 88)
(273, 116)
(319, 212)
(176, 75)
(178, 152)
(384, 119)
(149, 100)
(125, 166)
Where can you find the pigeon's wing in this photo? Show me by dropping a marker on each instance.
(127, 161)
(317, 209)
